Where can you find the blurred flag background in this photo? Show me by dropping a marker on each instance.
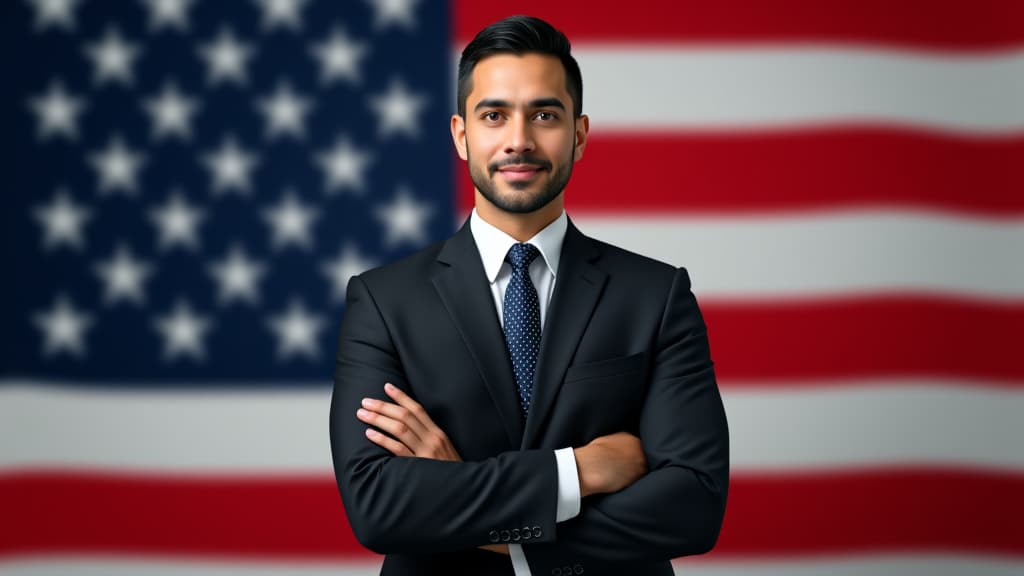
(190, 185)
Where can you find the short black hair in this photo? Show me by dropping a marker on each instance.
(520, 35)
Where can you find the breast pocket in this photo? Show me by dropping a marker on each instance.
(602, 397)
(609, 368)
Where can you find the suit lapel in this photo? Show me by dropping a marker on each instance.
(578, 287)
(462, 285)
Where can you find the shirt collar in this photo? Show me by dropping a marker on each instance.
(494, 244)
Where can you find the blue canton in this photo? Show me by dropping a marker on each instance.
(193, 184)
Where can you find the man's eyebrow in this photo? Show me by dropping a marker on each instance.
(491, 103)
(547, 103)
(538, 103)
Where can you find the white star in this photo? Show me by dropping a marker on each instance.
(348, 264)
(339, 57)
(291, 222)
(56, 13)
(285, 112)
(170, 113)
(57, 112)
(183, 332)
(296, 332)
(177, 222)
(117, 167)
(283, 13)
(112, 58)
(397, 110)
(230, 167)
(226, 58)
(63, 328)
(62, 221)
(388, 12)
(343, 166)
(168, 14)
(405, 219)
(237, 276)
(123, 277)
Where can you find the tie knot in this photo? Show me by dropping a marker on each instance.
(521, 255)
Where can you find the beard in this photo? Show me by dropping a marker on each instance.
(522, 203)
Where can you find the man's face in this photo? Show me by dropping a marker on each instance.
(519, 136)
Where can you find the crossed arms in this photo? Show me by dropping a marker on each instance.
(606, 464)
(407, 491)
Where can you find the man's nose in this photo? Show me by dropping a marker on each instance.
(519, 138)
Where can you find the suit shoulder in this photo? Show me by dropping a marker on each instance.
(404, 271)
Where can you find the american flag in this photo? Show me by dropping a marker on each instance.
(191, 184)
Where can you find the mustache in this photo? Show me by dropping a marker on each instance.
(522, 160)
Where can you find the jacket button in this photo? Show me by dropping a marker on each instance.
(505, 536)
(537, 532)
(526, 533)
(577, 568)
(516, 536)
(493, 535)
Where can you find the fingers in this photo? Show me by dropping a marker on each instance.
(414, 407)
(404, 428)
(388, 443)
(406, 422)
(395, 427)
(393, 419)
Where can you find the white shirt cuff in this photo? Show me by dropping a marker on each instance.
(568, 485)
(520, 567)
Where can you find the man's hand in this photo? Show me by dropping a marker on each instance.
(497, 548)
(610, 463)
(412, 432)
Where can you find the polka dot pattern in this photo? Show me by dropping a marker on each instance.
(521, 316)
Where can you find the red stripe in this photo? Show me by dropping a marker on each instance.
(758, 341)
(983, 24)
(877, 511)
(921, 510)
(126, 514)
(736, 173)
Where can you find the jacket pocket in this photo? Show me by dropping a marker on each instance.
(606, 368)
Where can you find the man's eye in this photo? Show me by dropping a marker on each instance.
(546, 116)
(492, 116)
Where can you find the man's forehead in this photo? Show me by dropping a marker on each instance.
(525, 75)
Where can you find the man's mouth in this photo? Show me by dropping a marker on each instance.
(518, 172)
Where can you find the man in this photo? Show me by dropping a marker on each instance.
(522, 399)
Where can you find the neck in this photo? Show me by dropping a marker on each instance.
(522, 227)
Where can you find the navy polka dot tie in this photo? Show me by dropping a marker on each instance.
(521, 317)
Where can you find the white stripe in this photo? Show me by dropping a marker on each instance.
(180, 430)
(669, 87)
(875, 423)
(831, 253)
(838, 424)
(904, 565)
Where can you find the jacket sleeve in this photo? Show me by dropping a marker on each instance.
(417, 505)
(677, 508)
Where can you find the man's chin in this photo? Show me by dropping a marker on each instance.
(522, 201)
(523, 197)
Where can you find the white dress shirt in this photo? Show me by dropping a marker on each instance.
(493, 245)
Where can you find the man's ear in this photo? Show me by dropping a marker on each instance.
(459, 135)
(582, 130)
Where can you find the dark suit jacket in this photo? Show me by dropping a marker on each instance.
(624, 347)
